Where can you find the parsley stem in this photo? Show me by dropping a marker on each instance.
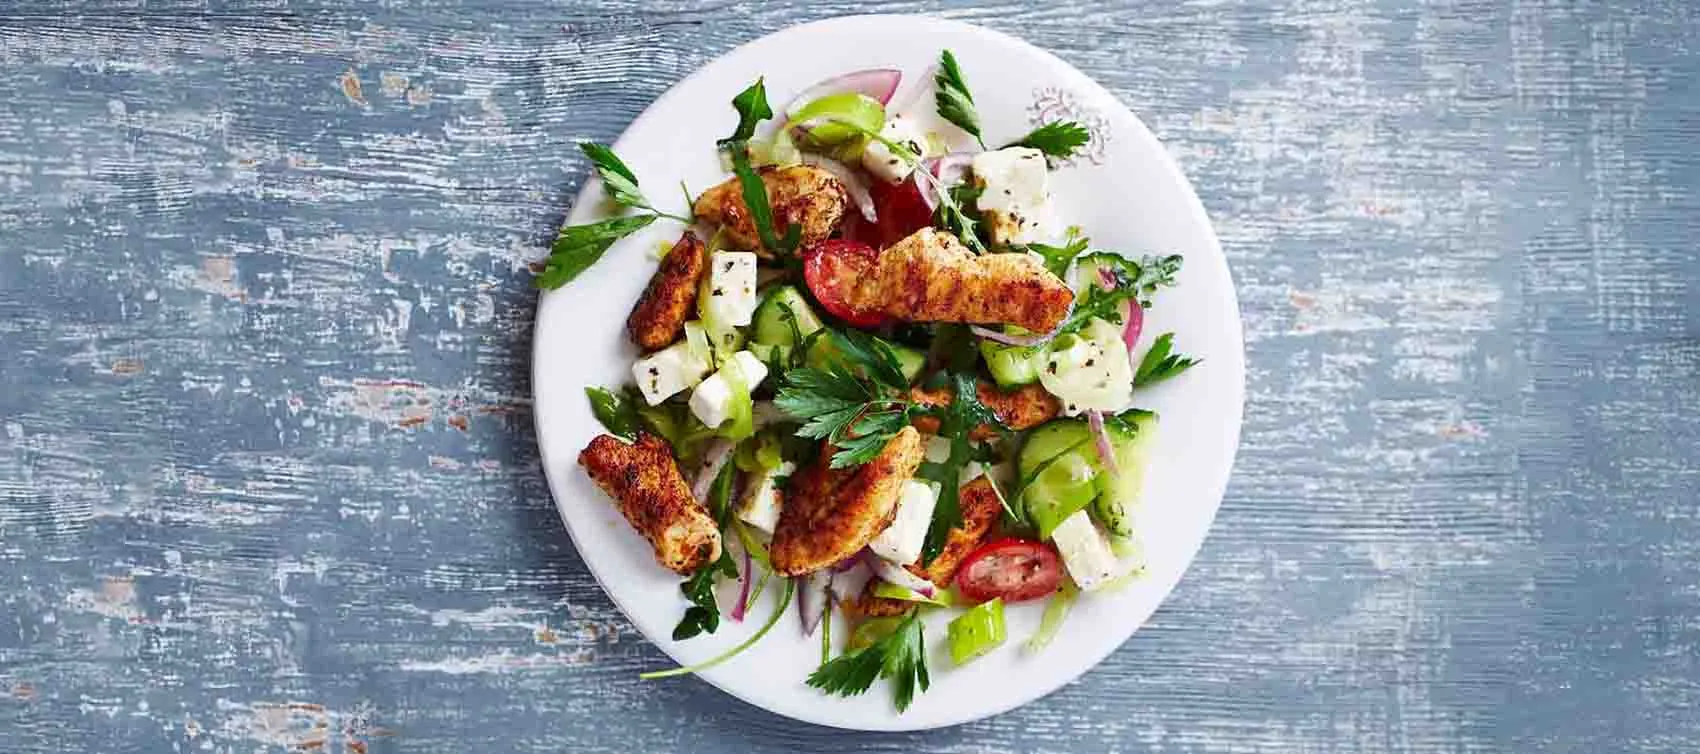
(784, 602)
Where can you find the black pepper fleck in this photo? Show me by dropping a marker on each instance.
(718, 292)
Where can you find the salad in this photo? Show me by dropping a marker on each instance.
(880, 376)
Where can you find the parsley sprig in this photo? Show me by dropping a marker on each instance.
(857, 401)
(955, 103)
(1160, 364)
(958, 212)
(1058, 139)
(703, 616)
(900, 657)
(577, 247)
(1059, 258)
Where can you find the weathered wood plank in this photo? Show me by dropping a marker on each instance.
(267, 473)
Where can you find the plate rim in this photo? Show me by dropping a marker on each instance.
(1173, 172)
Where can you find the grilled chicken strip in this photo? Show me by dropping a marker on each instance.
(980, 510)
(653, 496)
(1025, 407)
(671, 297)
(831, 514)
(803, 194)
(931, 277)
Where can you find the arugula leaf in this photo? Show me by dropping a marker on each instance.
(703, 616)
(958, 213)
(622, 186)
(957, 421)
(953, 99)
(1058, 139)
(900, 656)
(614, 411)
(752, 108)
(1095, 303)
(1159, 364)
(1058, 258)
(579, 246)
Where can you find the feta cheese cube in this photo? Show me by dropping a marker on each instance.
(668, 371)
(1086, 552)
(937, 450)
(1089, 375)
(762, 503)
(901, 542)
(731, 288)
(1014, 199)
(712, 401)
(879, 160)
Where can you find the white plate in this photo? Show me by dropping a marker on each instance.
(1126, 193)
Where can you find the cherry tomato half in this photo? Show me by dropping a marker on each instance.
(900, 208)
(1014, 569)
(830, 268)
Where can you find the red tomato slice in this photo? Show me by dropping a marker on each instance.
(901, 209)
(830, 268)
(1014, 569)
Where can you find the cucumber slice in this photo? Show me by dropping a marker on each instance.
(1049, 441)
(1064, 487)
(1131, 438)
(1086, 273)
(978, 631)
(771, 327)
(1011, 366)
(909, 360)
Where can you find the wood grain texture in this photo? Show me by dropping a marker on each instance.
(267, 474)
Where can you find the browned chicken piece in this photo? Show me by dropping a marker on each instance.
(806, 195)
(831, 514)
(671, 297)
(1025, 407)
(980, 511)
(931, 277)
(645, 482)
(867, 605)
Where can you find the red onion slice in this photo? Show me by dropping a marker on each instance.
(814, 592)
(1007, 339)
(713, 460)
(852, 181)
(952, 168)
(874, 83)
(1135, 323)
(744, 579)
(892, 573)
(851, 562)
(1101, 439)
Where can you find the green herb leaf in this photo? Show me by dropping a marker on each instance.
(857, 414)
(958, 213)
(1159, 364)
(1154, 273)
(622, 186)
(703, 616)
(953, 99)
(957, 421)
(752, 108)
(1059, 258)
(614, 411)
(1058, 139)
(784, 602)
(900, 656)
(579, 246)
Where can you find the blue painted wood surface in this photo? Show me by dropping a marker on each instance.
(267, 474)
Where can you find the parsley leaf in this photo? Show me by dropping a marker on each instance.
(1058, 139)
(856, 402)
(953, 100)
(1058, 258)
(1159, 364)
(900, 656)
(957, 420)
(622, 186)
(703, 616)
(579, 246)
(614, 411)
